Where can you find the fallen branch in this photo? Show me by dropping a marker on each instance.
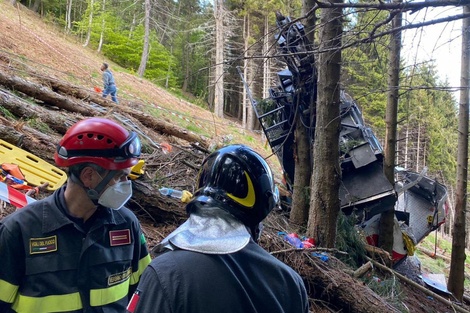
(375, 251)
(434, 255)
(330, 250)
(362, 270)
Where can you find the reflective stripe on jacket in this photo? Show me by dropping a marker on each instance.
(50, 264)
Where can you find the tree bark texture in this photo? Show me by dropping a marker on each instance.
(456, 278)
(327, 280)
(219, 59)
(303, 150)
(302, 175)
(145, 51)
(387, 218)
(326, 176)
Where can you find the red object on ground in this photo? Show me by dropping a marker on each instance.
(309, 243)
(98, 89)
(166, 147)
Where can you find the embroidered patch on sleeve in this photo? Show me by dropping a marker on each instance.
(119, 237)
(42, 245)
(119, 277)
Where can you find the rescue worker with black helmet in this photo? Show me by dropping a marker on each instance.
(212, 262)
(79, 249)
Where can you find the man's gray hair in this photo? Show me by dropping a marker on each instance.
(75, 170)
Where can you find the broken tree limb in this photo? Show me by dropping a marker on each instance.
(434, 255)
(418, 286)
(378, 252)
(362, 270)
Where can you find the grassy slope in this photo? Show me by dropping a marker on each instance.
(442, 246)
(29, 42)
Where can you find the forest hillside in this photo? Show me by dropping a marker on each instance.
(47, 82)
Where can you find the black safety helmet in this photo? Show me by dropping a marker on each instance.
(237, 179)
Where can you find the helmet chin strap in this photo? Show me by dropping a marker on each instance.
(94, 194)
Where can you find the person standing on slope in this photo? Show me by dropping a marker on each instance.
(79, 249)
(109, 85)
(212, 262)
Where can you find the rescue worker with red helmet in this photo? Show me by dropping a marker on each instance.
(79, 249)
(212, 262)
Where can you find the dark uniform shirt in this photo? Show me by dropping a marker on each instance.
(247, 281)
(50, 263)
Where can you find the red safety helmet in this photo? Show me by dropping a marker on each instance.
(100, 141)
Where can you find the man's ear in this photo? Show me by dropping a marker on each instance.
(86, 176)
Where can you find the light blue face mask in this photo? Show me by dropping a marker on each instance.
(115, 196)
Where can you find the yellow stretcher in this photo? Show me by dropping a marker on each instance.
(35, 170)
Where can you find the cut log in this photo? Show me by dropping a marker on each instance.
(147, 120)
(40, 144)
(25, 110)
(44, 94)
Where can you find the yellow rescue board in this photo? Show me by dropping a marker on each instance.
(35, 170)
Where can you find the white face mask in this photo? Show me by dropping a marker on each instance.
(115, 196)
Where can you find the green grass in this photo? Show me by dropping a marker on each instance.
(6, 113)
(40, 126)
(437, 265)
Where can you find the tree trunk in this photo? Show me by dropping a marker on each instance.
(456, 278)
(145, 50)
(185, 60)
(100, 44)
(36, 142)
(326, 177)
(302, 175)
(36, 6)
(303, 147)
(246, 34)
(387, 217)
(250, 114)
(90, 22)
(219, 59)
(68, 16)
(267, 61)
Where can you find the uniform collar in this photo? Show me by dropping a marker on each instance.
(54, 216)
